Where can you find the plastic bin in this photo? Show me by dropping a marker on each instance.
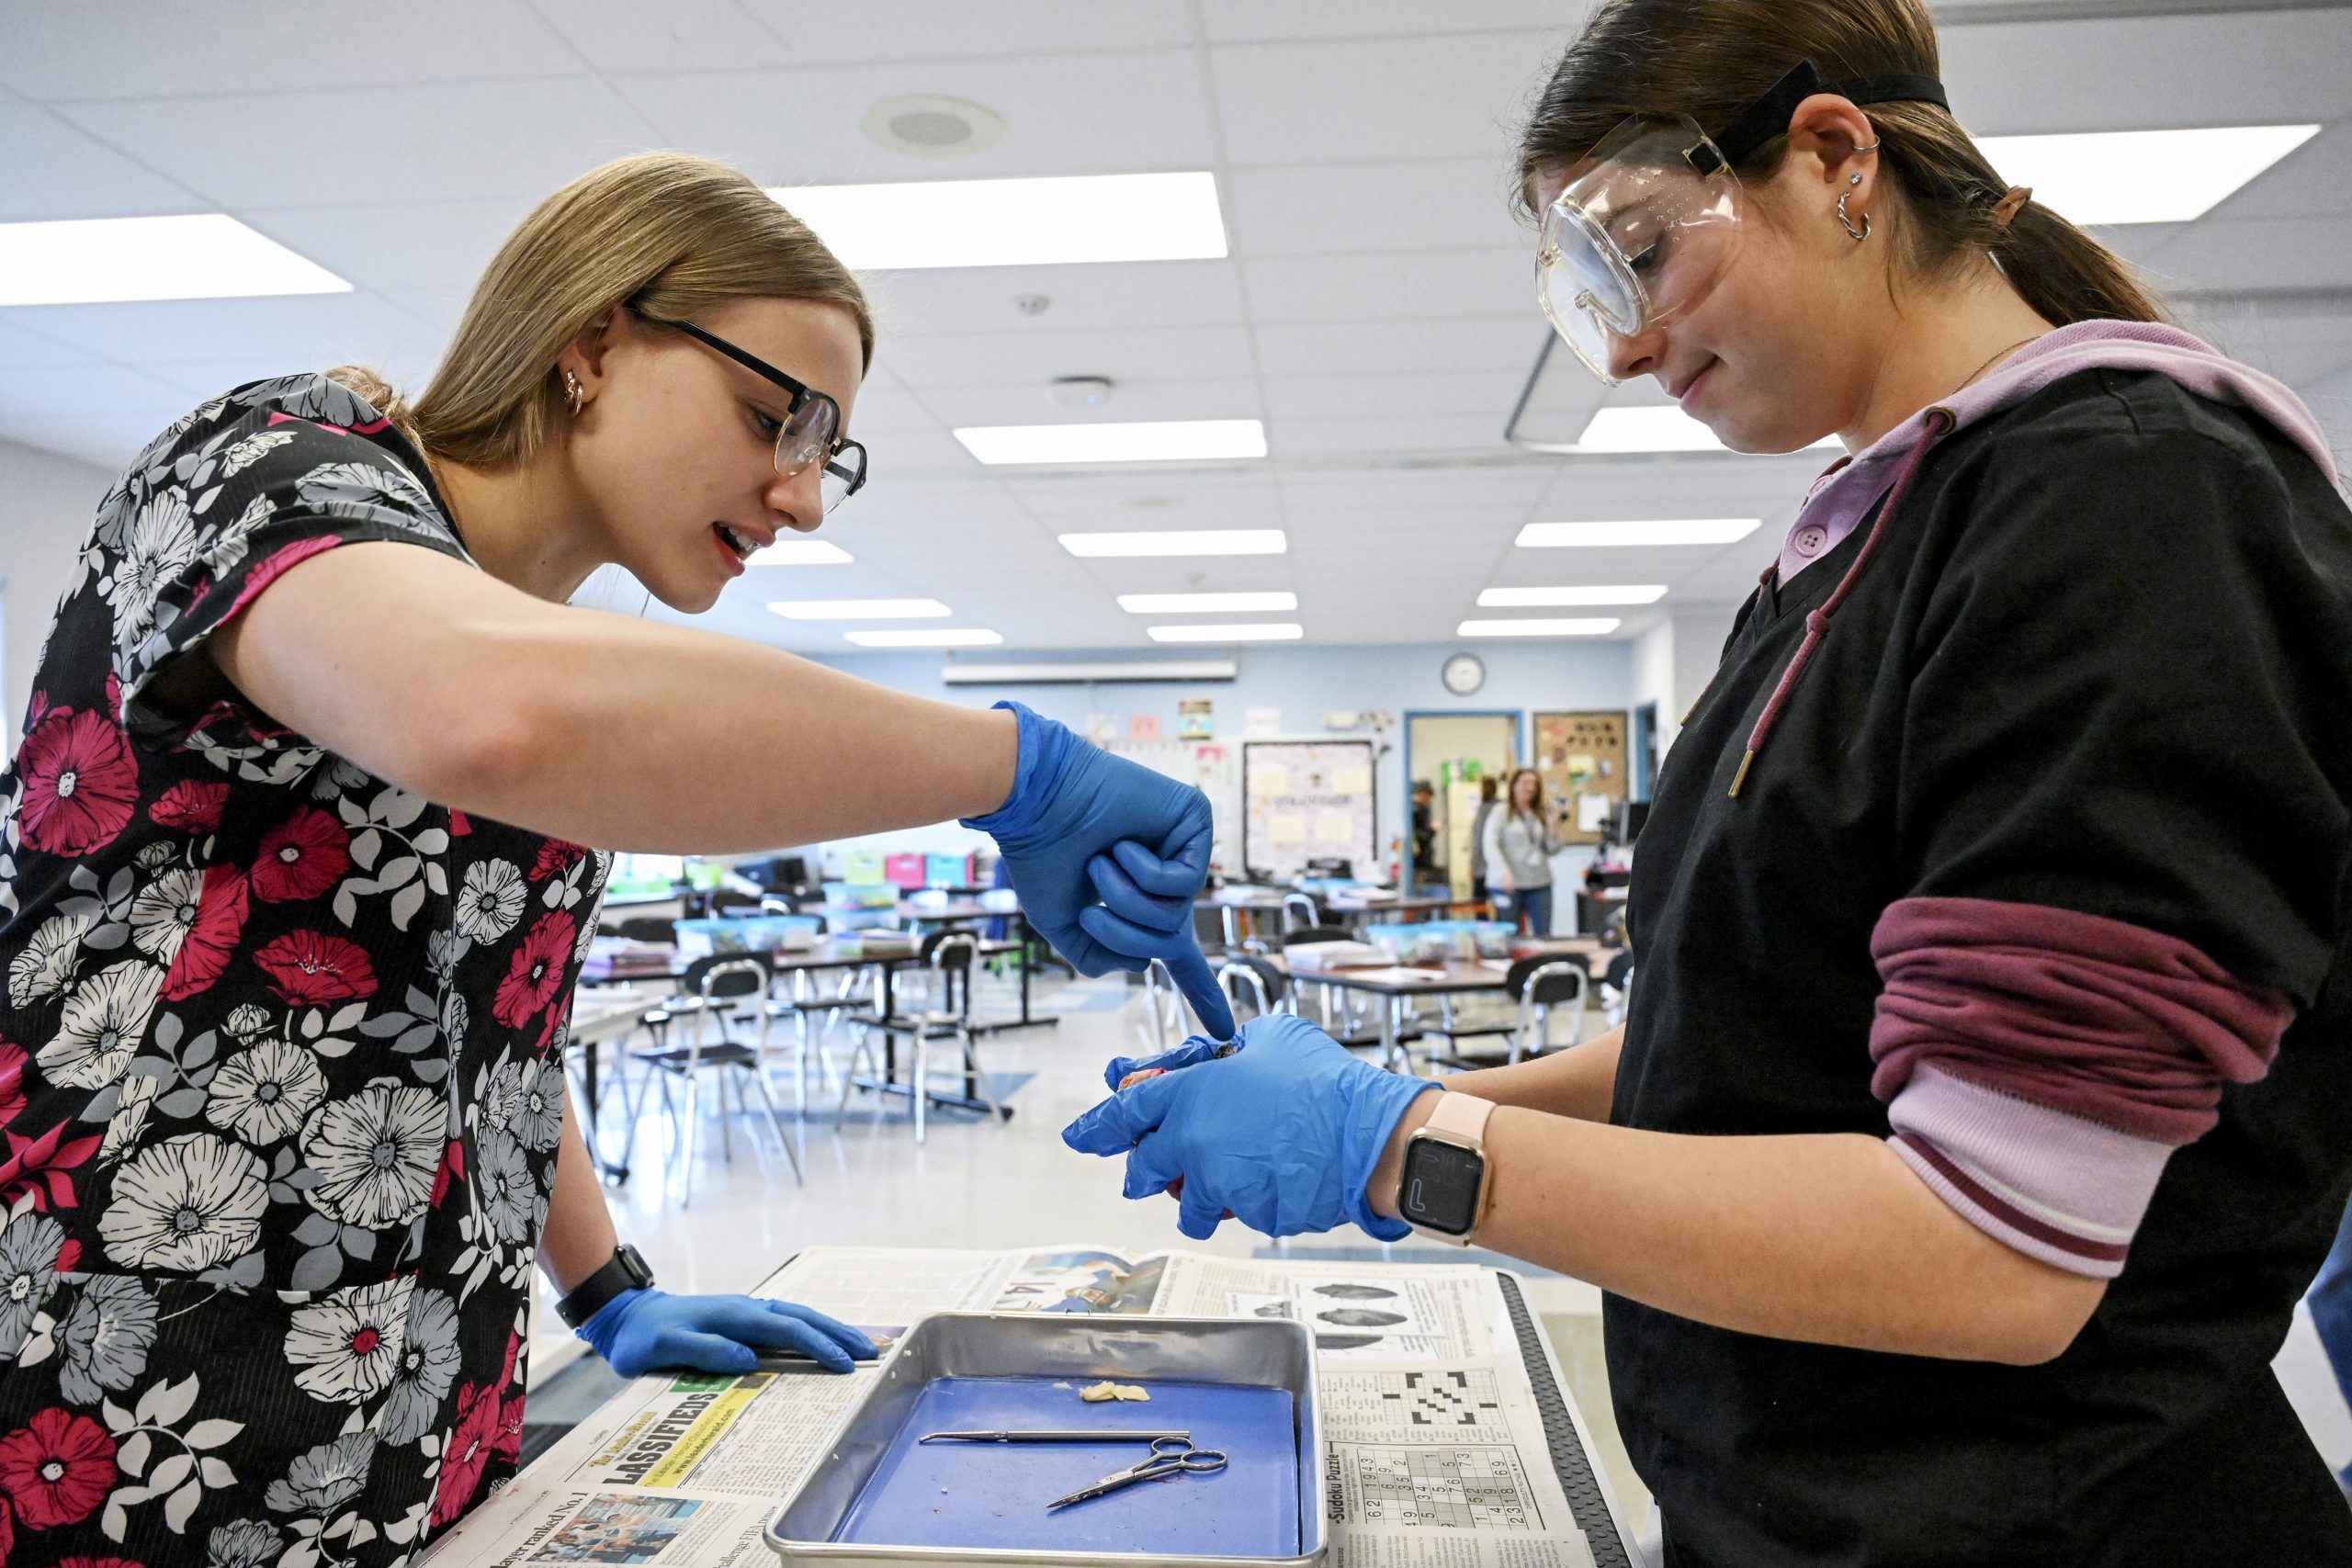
(746, 933)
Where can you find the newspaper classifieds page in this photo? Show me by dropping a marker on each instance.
(1438, 1457)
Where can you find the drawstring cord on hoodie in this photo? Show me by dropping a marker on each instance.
(1939, 421)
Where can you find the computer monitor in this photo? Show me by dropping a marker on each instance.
(1626, 819)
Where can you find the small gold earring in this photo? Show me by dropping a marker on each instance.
(576, 397)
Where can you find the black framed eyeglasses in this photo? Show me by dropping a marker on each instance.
(810, 430)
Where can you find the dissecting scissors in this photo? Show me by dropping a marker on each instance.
(1168, 1457)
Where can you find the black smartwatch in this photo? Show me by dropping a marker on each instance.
(626, 1271)
(1441, 1191)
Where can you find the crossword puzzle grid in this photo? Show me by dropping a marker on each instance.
(1465, 1488)
(1459, 1406)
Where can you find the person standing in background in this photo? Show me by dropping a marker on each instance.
(1425, 864)
(1487, 793)
(1518, 846)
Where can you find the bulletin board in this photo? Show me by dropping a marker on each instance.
(1208, 764)
(1580, 757)
(1308, 800)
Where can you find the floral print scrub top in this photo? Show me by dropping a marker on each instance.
(280, 1055)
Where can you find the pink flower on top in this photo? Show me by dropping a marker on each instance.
(300, 858)
(537, 972)
(311, 968)
(81, 784)
(190, 806)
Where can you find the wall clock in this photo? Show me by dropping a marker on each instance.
(1464, 673)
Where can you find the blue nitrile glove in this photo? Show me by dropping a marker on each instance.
(1283, 1133)
(1072, 804)
(647, 1330)
(1199, 1048)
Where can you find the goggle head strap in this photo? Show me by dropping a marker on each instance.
(1767, 117)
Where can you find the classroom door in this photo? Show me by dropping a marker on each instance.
(1432, 742)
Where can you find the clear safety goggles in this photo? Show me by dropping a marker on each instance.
(1652, 219)
(1640, 236)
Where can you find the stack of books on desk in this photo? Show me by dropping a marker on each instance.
(1322, 957)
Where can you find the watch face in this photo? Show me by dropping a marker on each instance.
(1464, 674)
(1440, 1186)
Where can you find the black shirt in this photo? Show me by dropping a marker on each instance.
(2101, 661)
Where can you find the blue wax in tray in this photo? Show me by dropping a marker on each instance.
(994, 1495)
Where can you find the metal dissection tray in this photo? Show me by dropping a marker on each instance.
(1245, 1386)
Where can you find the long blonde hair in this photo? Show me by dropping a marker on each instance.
(669, 231)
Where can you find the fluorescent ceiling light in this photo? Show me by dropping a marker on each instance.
(1246, 631)
(1656, 428)
(2141, 177)
(1146, 440)
(1600, 626)
(1204, 604)
(1672, 531)
(204, 256)
(1540, 598)
(1024, 222)
(800, 552)
(963, 636)
(1180, 542)
(860, 609)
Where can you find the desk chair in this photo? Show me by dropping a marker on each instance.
(1617, 989)
(941, 1010)
(1300, 912)
(711, 986)
(1245, 977)
(1538, 984)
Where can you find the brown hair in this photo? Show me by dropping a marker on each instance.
(675, 233)
(1510, 793)
(1708, 59)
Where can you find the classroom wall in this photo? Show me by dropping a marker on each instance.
(1305, 684)
(1671, 663)
(46, 507)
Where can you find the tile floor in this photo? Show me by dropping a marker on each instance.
(976, 1186)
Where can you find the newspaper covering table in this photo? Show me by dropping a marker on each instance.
(1451, 1442)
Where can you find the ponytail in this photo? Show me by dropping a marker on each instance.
(2065, 274)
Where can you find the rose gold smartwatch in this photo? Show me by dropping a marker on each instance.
(1442, 1190)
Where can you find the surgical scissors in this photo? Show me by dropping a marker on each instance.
(1168, 1457)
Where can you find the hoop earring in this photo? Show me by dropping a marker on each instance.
(1857, 236)
(576, 397)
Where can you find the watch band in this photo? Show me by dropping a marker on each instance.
(1462, 1117)
(624, 1271)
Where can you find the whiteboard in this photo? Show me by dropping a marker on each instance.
(1210, 766)
(1306, 800)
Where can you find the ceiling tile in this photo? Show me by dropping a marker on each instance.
(1353, 207)
(1376, 285)
(1065, 114)
(310, 149)
(1440, 95)
(59, 171)
(2147, 72)
(52, 49)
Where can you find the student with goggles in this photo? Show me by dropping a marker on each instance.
(292, 860)
(1982, 1107)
